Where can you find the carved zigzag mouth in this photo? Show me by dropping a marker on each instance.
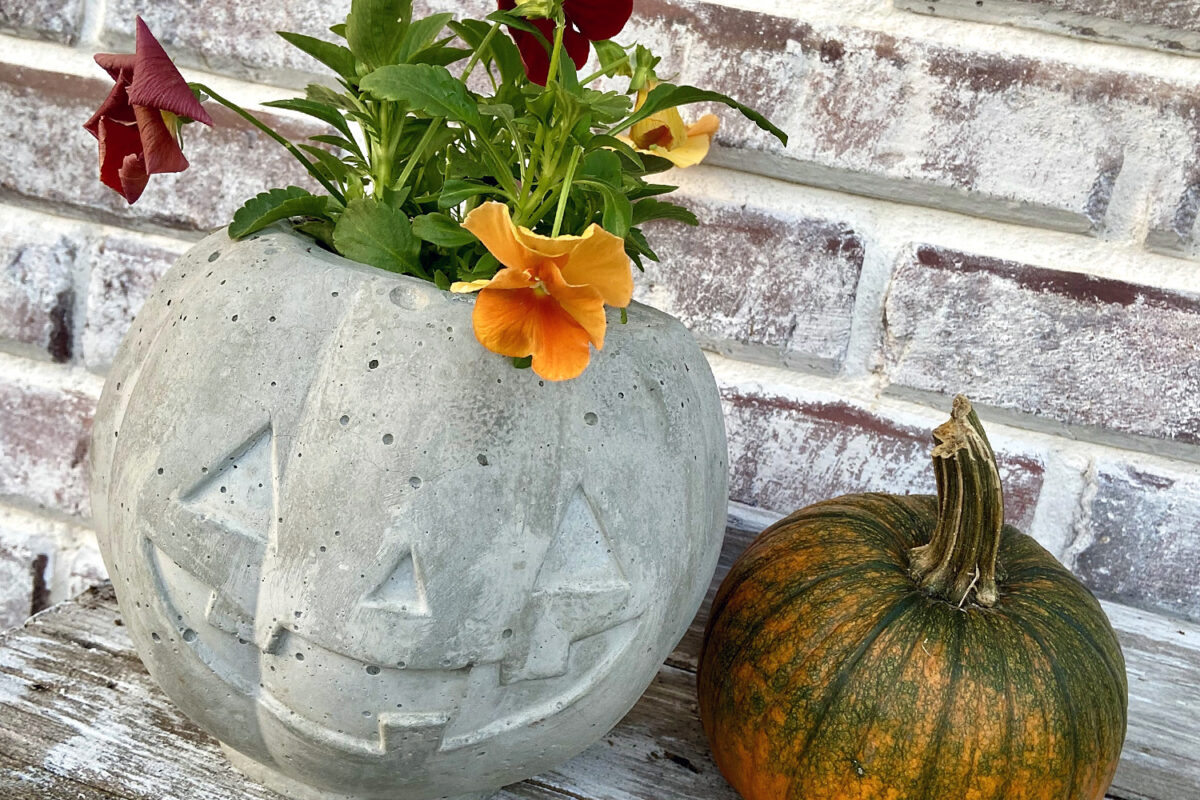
(414, 710)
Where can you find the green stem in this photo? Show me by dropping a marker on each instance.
(483, 46)
(560, 28)
(600, 73)
(291, 148)
(419, 150)
(961, 555)
(564, 191)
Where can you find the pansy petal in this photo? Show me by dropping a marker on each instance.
(547, 246)
(116, 63)
(117, 142)
(533, 53)
(600, 261)
(115, 107)
(492, 224)
(468, 287)
(661, 129)
(690, 154)
(162, 153)
(562, 350)
(504, 321)
(598, 19)
(705, 126)
(133, 176)
(583, 303)
(158, 84)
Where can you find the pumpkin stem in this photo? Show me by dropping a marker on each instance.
(961, 555)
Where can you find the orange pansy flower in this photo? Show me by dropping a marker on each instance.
(548, 301)
(664, 134)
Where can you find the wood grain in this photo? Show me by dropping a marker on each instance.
(80, 719)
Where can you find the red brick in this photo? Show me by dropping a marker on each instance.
(786, 453)
(758, 284)
(124, 270)
(58, 20)
(51, 158)
(1102, 357)
(1168, 25)
(1143, 532)
(44, 439)
(37, 283)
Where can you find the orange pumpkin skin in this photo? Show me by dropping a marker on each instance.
(877, 647)
(828, 673)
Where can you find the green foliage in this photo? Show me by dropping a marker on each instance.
(263, 209)
(411, 147)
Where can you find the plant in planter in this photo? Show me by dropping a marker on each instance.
(368, 555)
(880, 646)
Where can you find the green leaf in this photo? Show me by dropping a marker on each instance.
(440, 55)
(340, 142)
(441, 280)
(319, 93)
(522, 362)
(648, 209)
(457, 191)
(425, 88)
(636, 247)
(338, 30)
(601, 141)
(380, 235)
(613, 58)
(618, 211)
(263, 209)
(334, 56)
(667, 95)
(500, 49)
(420, 35)
(441, 230)
(603, 165)
(375, 29)
(606, 107)
(321, 230)
(326, 113)
(331, 165)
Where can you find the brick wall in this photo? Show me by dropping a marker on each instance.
(998, 198)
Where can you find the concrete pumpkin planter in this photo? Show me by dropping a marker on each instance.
(376, 561)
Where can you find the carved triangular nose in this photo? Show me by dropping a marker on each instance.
(403, 591)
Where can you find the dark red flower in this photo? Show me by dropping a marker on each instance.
(138, 123)
(587, 21)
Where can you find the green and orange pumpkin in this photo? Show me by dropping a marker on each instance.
(883, 647)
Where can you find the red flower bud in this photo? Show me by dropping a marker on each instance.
(132, 123)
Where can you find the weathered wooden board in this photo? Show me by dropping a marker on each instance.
(80, 719)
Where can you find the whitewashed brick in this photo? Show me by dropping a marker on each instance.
(37, 283)
(786, 453)
(44, 439)
(1101, 357)
(16, 586)
(57, 20)
(758, 284)
(124, 269)
(1170, 25)
(1142, 528)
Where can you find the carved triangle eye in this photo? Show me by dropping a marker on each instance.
(403, 591)
(238, 493)
(580, 559)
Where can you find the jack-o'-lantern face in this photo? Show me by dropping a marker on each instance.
(357, 580)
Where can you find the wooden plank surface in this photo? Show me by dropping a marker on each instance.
(81, 719)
